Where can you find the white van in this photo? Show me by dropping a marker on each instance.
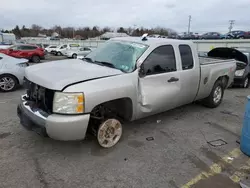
(63, 48)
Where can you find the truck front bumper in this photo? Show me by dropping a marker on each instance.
(58, 127)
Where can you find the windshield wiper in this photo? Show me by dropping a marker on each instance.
(105, 64)
(88, 59)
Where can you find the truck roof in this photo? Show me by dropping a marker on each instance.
(152, 41)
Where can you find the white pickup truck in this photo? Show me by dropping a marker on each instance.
(124, 79)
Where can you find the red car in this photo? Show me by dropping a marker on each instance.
(27, 51)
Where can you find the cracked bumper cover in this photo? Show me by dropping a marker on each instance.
(58, 127)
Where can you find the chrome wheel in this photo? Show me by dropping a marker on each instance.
(109, 133)
(7, 83)
(246, 82)
(217, 94)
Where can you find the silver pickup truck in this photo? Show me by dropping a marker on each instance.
(123, 80)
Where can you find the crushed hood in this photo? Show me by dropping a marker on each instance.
(57, 75)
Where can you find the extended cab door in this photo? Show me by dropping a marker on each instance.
(159, 82)
(189, 74)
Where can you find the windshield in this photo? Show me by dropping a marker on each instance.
(121, 55)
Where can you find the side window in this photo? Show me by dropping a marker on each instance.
(1, 57)
(81, 49)
(29, 47)
(21, 47)
(186, 57)
(64, 46)
(86, 49)
(161, 60)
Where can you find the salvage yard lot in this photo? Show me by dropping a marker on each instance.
(165, 150)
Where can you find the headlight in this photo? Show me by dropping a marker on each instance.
(239, 72)
(68, 103)
(23, 64)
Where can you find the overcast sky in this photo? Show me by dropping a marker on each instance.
(207, 15)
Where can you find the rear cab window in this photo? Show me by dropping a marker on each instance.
(160, 60)
(187, 59)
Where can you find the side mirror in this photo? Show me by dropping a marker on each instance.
(141, 71)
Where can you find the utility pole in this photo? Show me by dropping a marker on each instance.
(189, 22)
(73, 32)
(231, 23)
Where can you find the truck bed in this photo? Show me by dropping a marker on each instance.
(210, 70)
(207, 60)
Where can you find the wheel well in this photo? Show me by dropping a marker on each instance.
(122, 108)
(11, 75)
(224, 79)
(35, 55)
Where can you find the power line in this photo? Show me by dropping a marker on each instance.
(231, 23)
(189, 22)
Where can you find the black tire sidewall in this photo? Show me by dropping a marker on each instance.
(210, 100)
(15, 80)
(34, 57)
(74, 55)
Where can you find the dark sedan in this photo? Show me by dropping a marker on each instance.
(211, 35)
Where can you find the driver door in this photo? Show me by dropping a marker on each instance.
(159, 82)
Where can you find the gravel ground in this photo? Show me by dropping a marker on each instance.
(178, 152)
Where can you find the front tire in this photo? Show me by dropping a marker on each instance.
(109, 133)
(8, 83)
(74, 56)
(216, 95)
(58, 53)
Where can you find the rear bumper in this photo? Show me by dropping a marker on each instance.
(58, 127)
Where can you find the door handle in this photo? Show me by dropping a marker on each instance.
(173, 79)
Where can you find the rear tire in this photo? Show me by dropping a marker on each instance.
(35, 59)
(216, 95)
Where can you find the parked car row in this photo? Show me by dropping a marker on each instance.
(214, 35)
(68, 50)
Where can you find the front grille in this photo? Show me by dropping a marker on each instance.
(40, 97)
